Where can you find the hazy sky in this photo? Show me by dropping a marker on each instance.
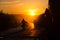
(19, 6)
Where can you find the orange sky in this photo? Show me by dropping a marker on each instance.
(22, 7)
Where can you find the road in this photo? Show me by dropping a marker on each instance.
(30, 33)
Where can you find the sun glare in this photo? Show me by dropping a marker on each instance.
(32, 12)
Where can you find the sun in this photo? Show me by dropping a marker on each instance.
(32, 12)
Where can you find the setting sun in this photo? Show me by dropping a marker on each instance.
(32, 12)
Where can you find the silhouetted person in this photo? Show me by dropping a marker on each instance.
(24, 23)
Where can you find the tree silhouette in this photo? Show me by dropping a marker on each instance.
(44, 21)
(55, 9)
(7, 21)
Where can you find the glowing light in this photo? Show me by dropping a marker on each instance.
(32, 12)
(32, 26)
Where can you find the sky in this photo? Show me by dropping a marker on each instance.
(20, 6)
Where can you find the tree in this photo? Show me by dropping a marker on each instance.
(43, 24)
(7, 21)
